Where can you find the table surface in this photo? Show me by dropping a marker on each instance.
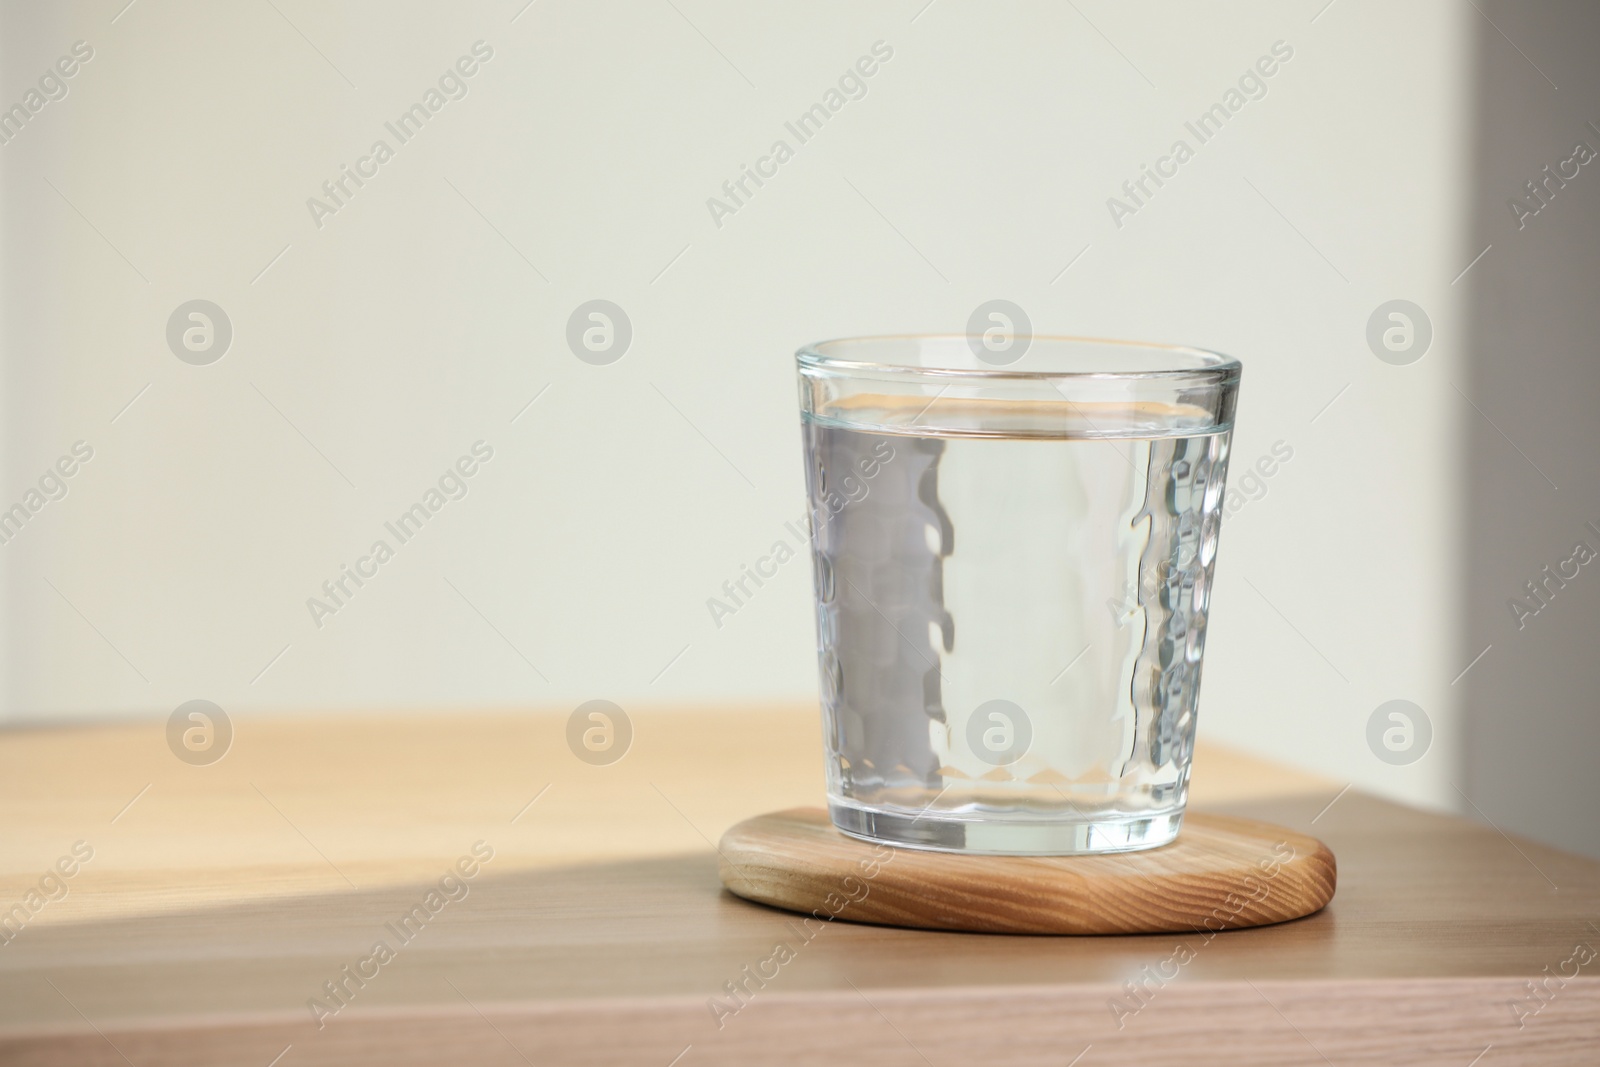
(220, 900)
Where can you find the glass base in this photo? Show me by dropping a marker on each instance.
(991, 835)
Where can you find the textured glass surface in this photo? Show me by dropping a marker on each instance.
(1010, 624)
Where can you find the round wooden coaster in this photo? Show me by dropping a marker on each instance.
(1221, 873)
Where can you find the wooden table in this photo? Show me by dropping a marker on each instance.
(220, 899)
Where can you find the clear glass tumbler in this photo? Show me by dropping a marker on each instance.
(1012, 571)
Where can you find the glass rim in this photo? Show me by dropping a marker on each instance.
(1208, 365)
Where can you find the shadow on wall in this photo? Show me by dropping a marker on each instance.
(1532, 497)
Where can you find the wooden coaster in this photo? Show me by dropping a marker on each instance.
(1221, 873)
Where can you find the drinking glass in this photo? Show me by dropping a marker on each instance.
(1012, 567)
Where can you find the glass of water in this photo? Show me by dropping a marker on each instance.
(1013, 561)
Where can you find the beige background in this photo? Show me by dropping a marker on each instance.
(369, 353)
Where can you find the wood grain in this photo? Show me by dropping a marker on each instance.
(217, 904)
(1221, 873)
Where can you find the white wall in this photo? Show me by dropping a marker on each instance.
(407, 327)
